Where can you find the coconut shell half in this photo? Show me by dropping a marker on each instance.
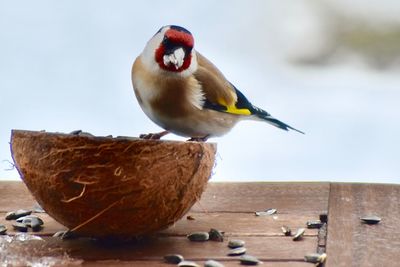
(112, 187)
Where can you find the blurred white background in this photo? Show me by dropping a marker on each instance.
(328, 67)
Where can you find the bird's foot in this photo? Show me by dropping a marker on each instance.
(153, 136)
(199, 139)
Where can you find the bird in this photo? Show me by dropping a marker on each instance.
(184, 93)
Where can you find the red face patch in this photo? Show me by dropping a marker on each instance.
(180, 37)
(177, 38)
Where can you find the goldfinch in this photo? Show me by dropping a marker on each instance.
(184, 93)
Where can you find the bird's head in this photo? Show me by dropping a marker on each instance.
(171, 50)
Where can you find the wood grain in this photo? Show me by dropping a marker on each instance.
(224, 206)
(237, 224)
(265, 248)
(352, 243)
(113, 263)
(15, 195)
(290, 198)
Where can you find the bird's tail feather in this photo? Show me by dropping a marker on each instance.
(263, 115)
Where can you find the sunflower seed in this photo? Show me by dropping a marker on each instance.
(12, 215)
(216, 235)
(236, 243)
(37, 208)
(3, 229)
(29, 219)
(286, 230)
(198, 236)
(371, 219)
(20, 227)
(188, 264)
(237, 251)
(266, 212)
(299, 234)
(315, 257)
(65, 234)
(323, 217)
(173, 258)
(314, 224)
(190, 218)
(249, 260)
(213, 263)
(76, 132)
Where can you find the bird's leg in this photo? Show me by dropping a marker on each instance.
(199, 139)
(153, 136)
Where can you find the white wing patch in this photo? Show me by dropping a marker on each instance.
(196, 96)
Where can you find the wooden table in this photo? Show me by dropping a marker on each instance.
(230, 207)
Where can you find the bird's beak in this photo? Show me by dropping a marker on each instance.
(176, 58)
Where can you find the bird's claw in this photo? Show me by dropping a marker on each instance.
(198, 139)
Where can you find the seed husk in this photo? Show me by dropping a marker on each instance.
(213, 263)
(249, 260)
(190, 218)
(299, 234)
(32, 221)
(235, 243)
(173, 258)
(29, 219)
(286, 230)
(188, 264)
(38, 209)
(315, 257)
(65, 235)
(314, 224)
(198, 236)
(266, 212)
(323, 217)
(237, 251)
(76, 132)
(371, 219)
(13, 215)
(216, 235)
(3, 229)
(20, 227)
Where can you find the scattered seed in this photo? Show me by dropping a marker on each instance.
(237, 251)
(29, 219)
(372, 219)
(236, 243)
(249, 260)
(314, 224)
(216, 235)
(188, 264)
(315, 257)
(85, 134)
(190, 218)
(286, 230)
(173, 258)
(13, 215)
(266, 212)
(32, 221)
(76, 132)
(198, 236)
(20, 227)
(65, 234)
(3, 229)
(213, 263)
(38, 209)
(323, 217)
(299, 234)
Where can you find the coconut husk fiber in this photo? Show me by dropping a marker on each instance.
(112, 187)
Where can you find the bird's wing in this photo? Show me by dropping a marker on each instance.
(219, 93)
